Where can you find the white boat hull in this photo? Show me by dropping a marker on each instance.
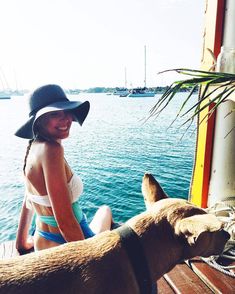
(141, 95)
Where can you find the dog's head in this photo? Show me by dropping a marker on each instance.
(198, 233)
(201, 234)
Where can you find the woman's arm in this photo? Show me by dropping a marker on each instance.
(24, 242)
(53, 165)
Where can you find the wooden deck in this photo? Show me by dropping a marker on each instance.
(193, 276)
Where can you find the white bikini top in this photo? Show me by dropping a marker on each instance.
(75, 186)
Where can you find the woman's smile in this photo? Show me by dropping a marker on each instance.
(56, 124)
(63, 128)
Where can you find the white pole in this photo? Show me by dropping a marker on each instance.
(229, 24)
(144, 65)
(222, 182)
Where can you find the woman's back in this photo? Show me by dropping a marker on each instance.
(38, 160)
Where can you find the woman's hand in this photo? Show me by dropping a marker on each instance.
(27, 247)
(29, 243)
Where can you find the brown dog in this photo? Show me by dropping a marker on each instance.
(169, 232)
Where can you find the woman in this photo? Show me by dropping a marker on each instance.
(51, 188)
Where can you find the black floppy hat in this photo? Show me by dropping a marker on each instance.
(50, 98)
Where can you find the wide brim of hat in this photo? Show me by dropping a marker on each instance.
(79, 109)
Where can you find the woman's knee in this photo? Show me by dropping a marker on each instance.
(106, 210)
(102, 220)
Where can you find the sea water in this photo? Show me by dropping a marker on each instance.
(111, 152)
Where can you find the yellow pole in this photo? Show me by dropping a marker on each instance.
(212, 40)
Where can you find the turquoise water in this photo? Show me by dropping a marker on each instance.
(111, 153)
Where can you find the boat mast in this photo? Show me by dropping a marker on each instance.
(145, 66)
(125, 78)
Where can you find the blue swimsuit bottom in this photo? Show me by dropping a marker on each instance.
(58, 238)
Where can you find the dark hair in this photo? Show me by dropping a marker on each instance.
(27, 153)
(38, 137)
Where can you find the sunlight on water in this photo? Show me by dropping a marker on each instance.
(110, 152)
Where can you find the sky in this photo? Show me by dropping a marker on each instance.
(97, 43)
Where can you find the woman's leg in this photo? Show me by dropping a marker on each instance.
(102, 220)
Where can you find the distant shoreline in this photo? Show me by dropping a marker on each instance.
(157, 90)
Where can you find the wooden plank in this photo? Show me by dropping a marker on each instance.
(163, 287)
(8, 250)
(183, 280)
(217, 281)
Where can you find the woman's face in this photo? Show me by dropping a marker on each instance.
(55, 125)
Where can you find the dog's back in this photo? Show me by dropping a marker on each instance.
(170, 231)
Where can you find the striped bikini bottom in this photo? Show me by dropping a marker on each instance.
(58, 238)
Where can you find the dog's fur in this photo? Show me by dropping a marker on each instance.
(170, 231)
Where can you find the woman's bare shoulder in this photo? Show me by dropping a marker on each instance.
(52, 150)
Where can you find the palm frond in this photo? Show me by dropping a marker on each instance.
(223, 86)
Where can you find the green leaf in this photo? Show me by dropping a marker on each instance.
(197, 78)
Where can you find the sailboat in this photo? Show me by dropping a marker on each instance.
(142, 92)
(4, 92)
(122, 91)
(4, 95)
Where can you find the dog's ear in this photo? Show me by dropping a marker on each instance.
(203, 233)
(151, 190)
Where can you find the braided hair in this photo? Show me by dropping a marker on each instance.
(37, 137)
(27, 153)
